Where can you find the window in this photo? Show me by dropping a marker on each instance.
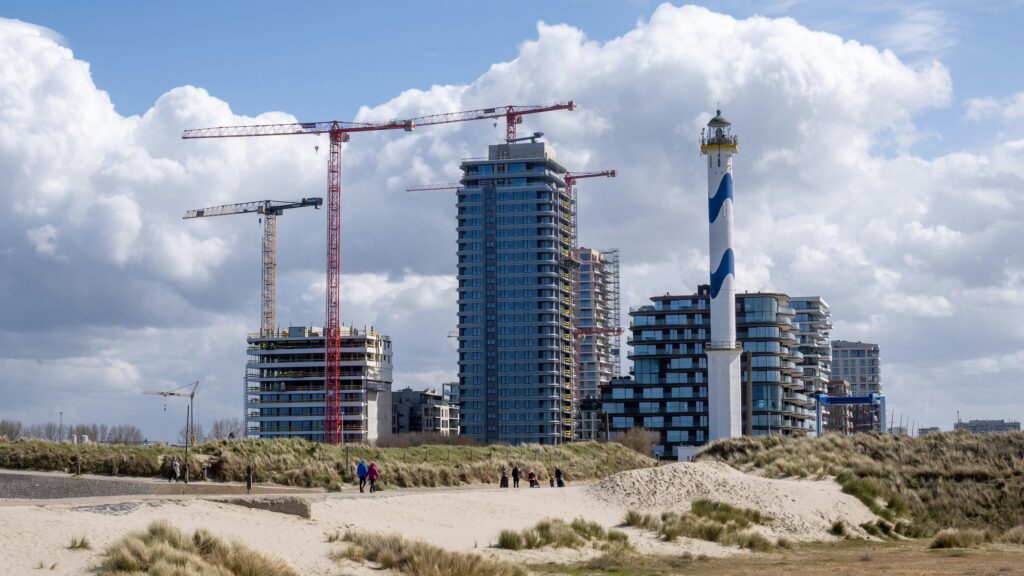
(622, 422)
(654, 422)
(622, 393)
(653, 393)
(650, 407)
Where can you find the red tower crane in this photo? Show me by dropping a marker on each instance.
(339, 133)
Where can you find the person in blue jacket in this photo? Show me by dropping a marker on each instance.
(362, 472)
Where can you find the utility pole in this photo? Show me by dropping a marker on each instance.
(60, 433)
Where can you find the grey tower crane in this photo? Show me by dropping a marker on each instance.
(270, 210)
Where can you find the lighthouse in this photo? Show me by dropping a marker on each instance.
(724, 417)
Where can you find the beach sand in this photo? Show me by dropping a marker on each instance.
(462, 519)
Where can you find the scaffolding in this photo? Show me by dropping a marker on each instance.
(611, 259)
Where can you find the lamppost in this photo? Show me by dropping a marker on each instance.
(60, 433)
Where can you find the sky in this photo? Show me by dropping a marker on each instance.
(880, 168)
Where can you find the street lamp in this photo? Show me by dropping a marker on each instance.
(60, 433)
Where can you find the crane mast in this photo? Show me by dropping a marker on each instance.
(270, 210)
(339, 133)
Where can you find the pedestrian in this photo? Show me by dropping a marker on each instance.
(504, 478)
(373, 474)
(558, 477)
(170, 472)
(515, 476)
(248, 479)
(177, 470)
(532, 477)
(361, 472)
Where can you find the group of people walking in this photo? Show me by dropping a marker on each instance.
(531, 477)
(371, 473)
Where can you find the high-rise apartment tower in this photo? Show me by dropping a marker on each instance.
(516, 233)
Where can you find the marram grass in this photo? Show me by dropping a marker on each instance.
(165, 550)
(950, 480)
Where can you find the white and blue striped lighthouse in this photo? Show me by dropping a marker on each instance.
(724, 416)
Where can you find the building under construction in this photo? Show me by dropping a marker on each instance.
(284, 384)
(598, 332)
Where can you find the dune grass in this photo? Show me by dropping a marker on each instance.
(393, 552)
(164, 549)
(296, 462)
(711, 521)
(80, 544)
(954, 538)
(919, 485)
(556, 533)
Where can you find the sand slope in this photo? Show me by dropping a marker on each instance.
(467, 519)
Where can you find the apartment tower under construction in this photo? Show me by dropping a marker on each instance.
(284, 384)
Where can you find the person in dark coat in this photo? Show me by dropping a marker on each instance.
(362, 471)
(558, 477)
(515, 476)
(248, 479)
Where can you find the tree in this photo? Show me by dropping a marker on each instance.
(638, 439)
(125, 434)
(48, 431)
(227, 428)
(197, 431)
(10, 430)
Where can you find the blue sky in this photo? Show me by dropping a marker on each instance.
(882, 168)
(322, 60)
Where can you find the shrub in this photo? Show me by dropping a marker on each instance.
(783, 542)
(1014, 535)
(510, 540)
(955, 538)
(753, 541)
(838, 529)
(639, 440)
(80, 544)
(635, 519)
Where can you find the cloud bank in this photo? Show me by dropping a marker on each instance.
(107, 292)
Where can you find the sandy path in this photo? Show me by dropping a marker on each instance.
(457, 519)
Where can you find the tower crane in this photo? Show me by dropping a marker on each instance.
(339, 133)
(270, 210)
(189, 416)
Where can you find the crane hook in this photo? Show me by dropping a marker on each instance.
(316, 149)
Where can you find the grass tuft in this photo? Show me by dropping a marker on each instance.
(80, 544)
(392, 552)
(163, 549)
(724, 513)
(1014, 535)
(956, 538)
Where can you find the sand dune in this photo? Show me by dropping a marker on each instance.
(464, 519)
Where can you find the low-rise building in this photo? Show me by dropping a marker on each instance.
(988, 426)
(284, 385)
(425, 411)
(928, 431)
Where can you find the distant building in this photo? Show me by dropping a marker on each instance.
(898, 430)
(516, 230)
(858, 363)
(284, 385)
(597, 284)
(928, 431)
(424, 411)
(839, 420)
(988, 426)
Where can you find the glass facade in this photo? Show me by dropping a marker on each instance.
(516, 232)
(668, 338)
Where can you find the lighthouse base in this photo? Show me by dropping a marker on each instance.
(725, 416)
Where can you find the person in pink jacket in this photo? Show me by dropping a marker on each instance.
(374, 475)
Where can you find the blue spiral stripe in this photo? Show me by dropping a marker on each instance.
(725, 268)
(716, 202)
